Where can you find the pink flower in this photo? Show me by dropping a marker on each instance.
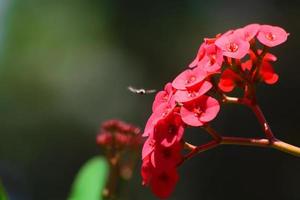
(248, 32)
(271, 35)
(162, 111)
(200, 111)
(163, 96)
(233, 46)
(213, 59)
(189, 78)
(184, 96)
(200, 55)
(167, 157)
(163, 182)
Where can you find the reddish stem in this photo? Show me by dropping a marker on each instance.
(197, 149)
(257, 111)
(263, 122)
(249, 100)
(215, 135)
(258, 142)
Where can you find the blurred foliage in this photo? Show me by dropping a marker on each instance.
(3, 195)
(90, 180)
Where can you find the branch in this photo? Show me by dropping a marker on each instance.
(263, 122)
(276, 144)
(256, 110)
(197, 149)
(234, 100)
(215, 135)
(258, 142)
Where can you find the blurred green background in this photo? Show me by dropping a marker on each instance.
(65, 66)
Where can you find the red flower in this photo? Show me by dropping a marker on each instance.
(229, 79)
(268, 56)
(272, 35)
(169, 130)
(105, 138)
(200, 111)
(184, 96)
(162, 111)
(116, 134)
(166, 132)
(189, 78)
(146, 170)
(185, 101)
(163, 96)
(212, 60)
(267, 73)
(166, 157)
(163, 182)
(233, 46)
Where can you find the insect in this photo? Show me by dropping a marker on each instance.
(140, 91)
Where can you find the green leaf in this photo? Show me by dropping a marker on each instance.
(3, 195)
(90, 180)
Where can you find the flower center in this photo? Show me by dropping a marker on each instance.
(165, 97)
(270, 36)
(166, 153)
(212, 59)
(232, 47)
(197, 111)
(151, 143)
(164, 177)
(190, 79)
(192, 94)
(172, 129)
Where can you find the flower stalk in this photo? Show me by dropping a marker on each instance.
(269, 142)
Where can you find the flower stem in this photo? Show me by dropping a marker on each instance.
(197, 149)
(246, 141)
(263, 122)
(285, 147)
(276, 144)
(258, 142)
(233, 100)
(215, 135)
(269, 142)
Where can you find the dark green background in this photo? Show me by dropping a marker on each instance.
(65, 66)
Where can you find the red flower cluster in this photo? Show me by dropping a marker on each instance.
(222, 63)
(118, 135)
